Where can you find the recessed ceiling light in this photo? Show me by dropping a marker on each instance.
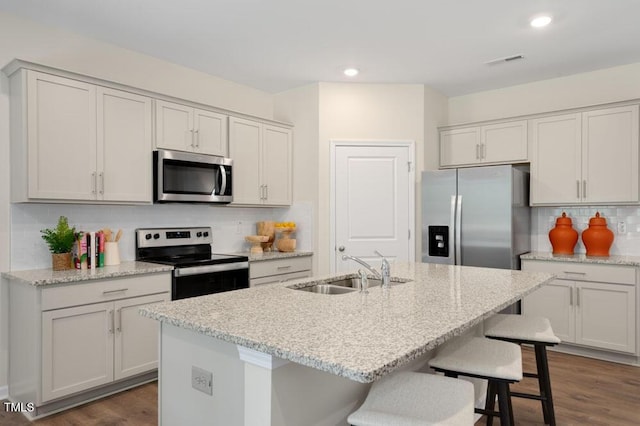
(540, 21)
(351, 72)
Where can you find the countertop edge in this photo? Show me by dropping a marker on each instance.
(45, 277)
(619, 260)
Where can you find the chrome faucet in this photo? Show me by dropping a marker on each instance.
(385, 269)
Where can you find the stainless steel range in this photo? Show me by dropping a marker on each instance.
(197, 271)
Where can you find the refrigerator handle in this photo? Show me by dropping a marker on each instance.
(452, 227)
(458, 229)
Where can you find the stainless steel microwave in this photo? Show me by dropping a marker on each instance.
(191, 178)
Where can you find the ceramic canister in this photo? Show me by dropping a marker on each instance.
(563, 237)
(597, 238)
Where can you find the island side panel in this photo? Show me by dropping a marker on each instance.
(180, 403)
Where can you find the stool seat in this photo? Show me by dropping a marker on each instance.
(481, 357)
(520, 327)
(411, 399)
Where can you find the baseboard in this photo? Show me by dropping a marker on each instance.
(4, 392)
(597, 354)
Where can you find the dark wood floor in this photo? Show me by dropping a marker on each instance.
(586, 392)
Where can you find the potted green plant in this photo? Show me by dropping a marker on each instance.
(60, 241)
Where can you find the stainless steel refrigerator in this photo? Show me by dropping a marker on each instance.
(477, 216)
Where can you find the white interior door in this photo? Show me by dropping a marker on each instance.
(373, 190)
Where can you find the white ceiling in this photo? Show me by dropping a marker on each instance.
(276, 45)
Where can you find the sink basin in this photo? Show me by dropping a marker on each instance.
(344, 285)
(327, 289)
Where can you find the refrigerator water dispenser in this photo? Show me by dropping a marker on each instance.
(439, 241)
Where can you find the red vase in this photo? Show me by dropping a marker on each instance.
(597, 238)
(563, 237)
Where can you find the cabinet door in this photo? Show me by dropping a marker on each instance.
(174, 126)
(61, 117)
(245, 138)
(210, 132)
(77, 349)
(136, 337)
(124, 146)
(554, 301)
(276, 165)
(606, 316)
(556, 160)
(460, 146)
(610, 155)
(504, 142)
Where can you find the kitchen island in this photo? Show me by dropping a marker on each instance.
(281, 356)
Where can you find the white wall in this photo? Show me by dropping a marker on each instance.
(300, 106)
(579, 90)
(365, 112)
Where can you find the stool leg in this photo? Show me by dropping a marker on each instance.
(545, 384)
(513, 422)
(490, 403)
(503, 403)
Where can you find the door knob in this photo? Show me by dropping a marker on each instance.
(341, 248)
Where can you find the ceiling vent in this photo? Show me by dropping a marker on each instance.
(504, 60)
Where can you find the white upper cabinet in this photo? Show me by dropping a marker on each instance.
(586, 158)
(184, 128)
(488, 144)
(73, 141)
(261, 157)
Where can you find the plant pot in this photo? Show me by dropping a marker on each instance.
(61, 261)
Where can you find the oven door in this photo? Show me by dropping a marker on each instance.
(209, 279)
(188, 177)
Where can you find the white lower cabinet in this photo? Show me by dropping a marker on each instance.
(88, 335)
(279, 270)
(583, 309)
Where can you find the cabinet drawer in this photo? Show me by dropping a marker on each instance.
(279, 266)
(104, 290)
(584, 271)
(279, 278)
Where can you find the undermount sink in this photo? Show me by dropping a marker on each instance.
(344, 285)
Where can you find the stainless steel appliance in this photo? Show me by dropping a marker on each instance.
(477, 216)
(197, 271)
(192, 178)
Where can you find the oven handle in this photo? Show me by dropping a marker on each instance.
(206, 269)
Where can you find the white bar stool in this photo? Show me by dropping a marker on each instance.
(410, 399)
(534, 331)
(498, 362)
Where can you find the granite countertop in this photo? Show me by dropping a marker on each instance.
(582, 258)
(274, 255)
(43, 277)
(358, 336)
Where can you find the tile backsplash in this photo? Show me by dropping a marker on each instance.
(626, 243)
(229, 224)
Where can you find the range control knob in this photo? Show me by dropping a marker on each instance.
(199, 234)
(147, 237)
(206, 233)
(156, 236)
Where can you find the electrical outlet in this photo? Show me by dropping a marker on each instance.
(202, 380)
(622, 228)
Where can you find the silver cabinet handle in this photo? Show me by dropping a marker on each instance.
(197, 139)
(262, 192)
(571, 296)
(114, 291)
(283, 267)
(575, 273)
(110, 327)
(341, 248)
(94, 182)
(584, 189)
(477, 151)
(577, 189)
(102, 183)
(266, 192)
(578, 296)
(119, 324)
(192, 144)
